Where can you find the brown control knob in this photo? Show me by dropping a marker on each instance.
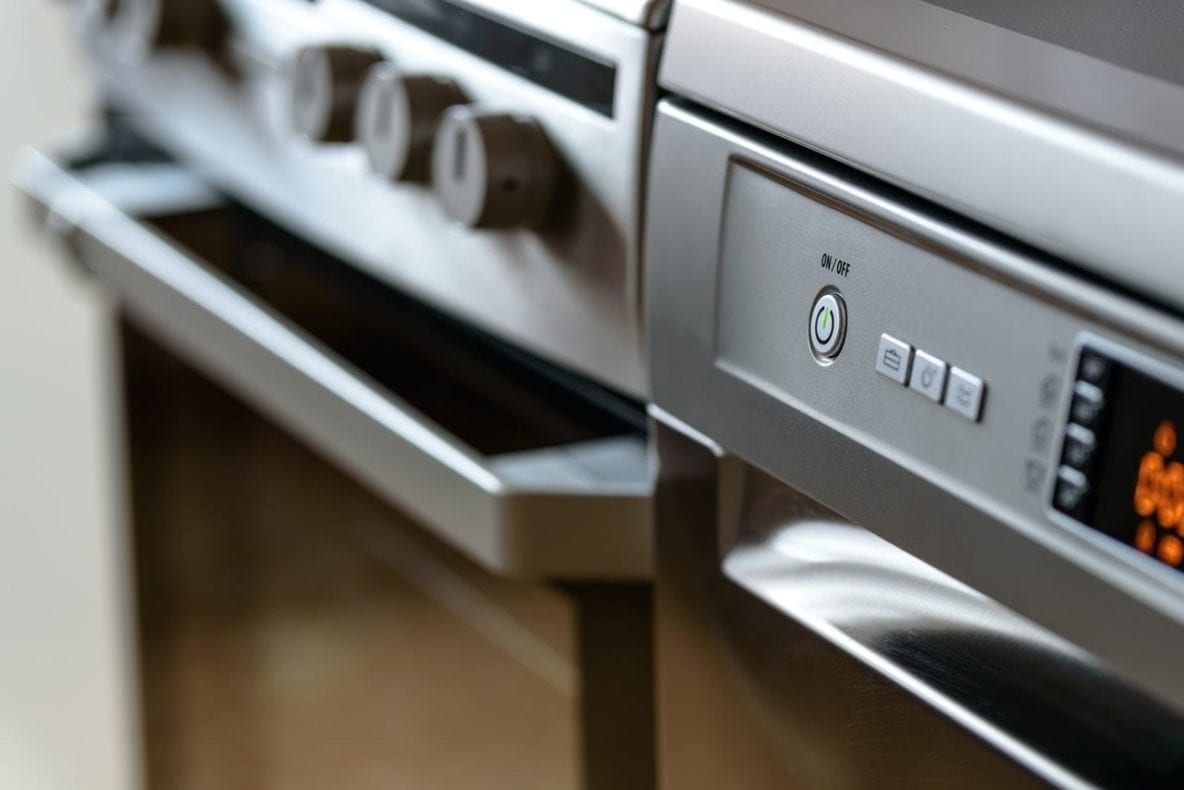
(493, 170)
(326, 84)
(142, 27)
(398, 115)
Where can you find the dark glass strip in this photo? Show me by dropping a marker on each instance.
(545, 63)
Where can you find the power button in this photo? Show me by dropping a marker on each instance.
(828, 326)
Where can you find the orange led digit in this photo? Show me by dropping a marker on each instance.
(1159, 488)
(1165, 438)
(1145, 537)
(1171, 550)
(1150, 468)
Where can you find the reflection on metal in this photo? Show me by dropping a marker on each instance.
(1032, 695)
(798, 650)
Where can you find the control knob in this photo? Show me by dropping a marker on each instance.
(326, 83)
(493, 170)
(398, 115)
(143, 27)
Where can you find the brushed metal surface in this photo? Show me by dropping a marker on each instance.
(1142, 37)
(576, 511)
(798, 650)
(1060, 149)
(568, 291)
(733, 267)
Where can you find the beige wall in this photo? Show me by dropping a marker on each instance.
(66, 716)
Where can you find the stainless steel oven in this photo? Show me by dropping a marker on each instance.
(407, 233)
(500, 474)
(915, 518)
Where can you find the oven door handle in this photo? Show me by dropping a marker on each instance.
(1013, 684)
(578, 511)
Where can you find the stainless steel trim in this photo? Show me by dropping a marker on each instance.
(882, 87)
(578, 511)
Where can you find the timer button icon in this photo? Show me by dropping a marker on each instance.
(828, 326)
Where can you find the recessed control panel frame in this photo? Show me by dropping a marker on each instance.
(738, 251)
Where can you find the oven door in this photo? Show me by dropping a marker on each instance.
(795, 649)
(270, 644)
(530, 477)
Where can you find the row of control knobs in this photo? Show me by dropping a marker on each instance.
(489, 169)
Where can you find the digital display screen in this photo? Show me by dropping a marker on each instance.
(546, 63)
(1138, 479)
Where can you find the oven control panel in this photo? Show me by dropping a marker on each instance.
(975, 403)
(486, 157)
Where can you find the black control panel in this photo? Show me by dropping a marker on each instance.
(1122, 459)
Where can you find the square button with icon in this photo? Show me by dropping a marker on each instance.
(928, 376)
(964, 394)
(894, 358)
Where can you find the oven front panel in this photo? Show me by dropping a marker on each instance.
(918, 375)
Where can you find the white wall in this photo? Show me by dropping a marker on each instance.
(66, 710)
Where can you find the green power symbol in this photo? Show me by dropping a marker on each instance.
(822, 327)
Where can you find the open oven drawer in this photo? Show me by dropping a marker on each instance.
(528, 472)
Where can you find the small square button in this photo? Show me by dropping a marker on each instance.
(964, 394)
(894, 358)
(928, 376)
(1071, 492)
(1094, 368)
(1078, 449)
(1087, 406)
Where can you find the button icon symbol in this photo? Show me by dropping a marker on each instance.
(1087, 405)
(1071, 490)
(965, 394)
(1033, 476)
(929, 376)
(824, 327)
(1077, 454)
(1050, 388)
(828, 319)
(1071, 493)
(1094, 368)
(893, 358)
(1041, 434)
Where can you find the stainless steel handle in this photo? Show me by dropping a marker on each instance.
(577, 511)
(1044, 702)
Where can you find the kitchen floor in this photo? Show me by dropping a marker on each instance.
(298, 633)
